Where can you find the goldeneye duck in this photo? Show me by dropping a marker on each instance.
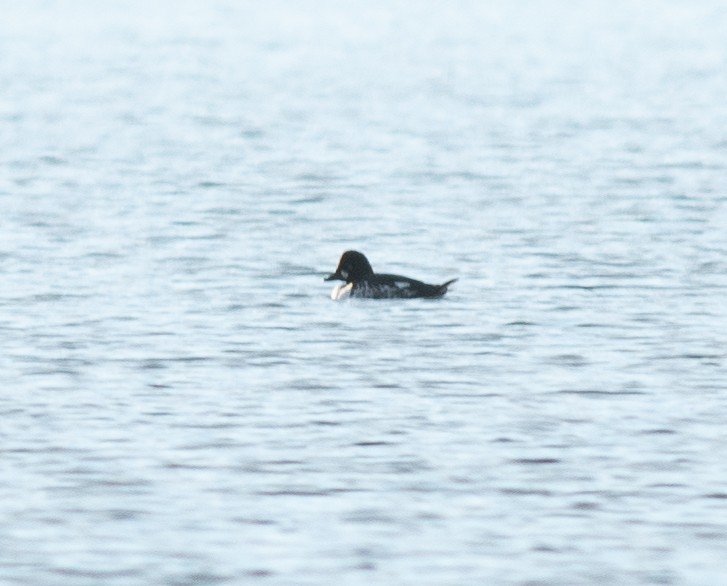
(361, 281)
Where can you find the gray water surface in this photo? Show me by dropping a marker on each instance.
(182, 404)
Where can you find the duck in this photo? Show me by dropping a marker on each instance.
(362, 282)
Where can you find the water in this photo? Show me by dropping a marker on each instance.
(182, 403)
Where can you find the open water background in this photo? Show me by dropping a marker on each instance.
(180, 401)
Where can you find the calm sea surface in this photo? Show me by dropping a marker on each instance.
(182, 404)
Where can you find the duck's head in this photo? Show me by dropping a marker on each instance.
(352, 266)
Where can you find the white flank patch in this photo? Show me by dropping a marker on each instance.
(341, 292)
(401, 284)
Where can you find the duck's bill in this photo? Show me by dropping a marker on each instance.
(334, 277)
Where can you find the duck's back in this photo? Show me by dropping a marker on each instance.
(383, 286)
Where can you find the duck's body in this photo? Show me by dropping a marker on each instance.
(361, 281)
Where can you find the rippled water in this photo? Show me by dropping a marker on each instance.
(182, 403)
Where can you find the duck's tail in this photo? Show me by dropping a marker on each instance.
(444, 286)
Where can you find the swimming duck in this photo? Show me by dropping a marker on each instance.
(361, 281)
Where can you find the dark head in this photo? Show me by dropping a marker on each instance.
(352, 266)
